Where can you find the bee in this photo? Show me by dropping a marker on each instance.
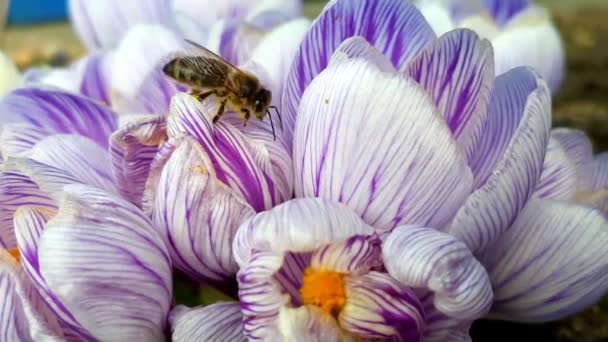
(208, 74)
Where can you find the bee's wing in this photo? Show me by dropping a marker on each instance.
(202, 51)
(212, 69)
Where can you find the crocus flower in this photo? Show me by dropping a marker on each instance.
(412, 130)
(30, 115)
(76, 280)
(521, 32)
(416, 173)
(101, 25)
(312, 270)
(126, 71)
(572, 173)
(121, 62)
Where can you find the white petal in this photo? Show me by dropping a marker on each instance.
(531, 39)
(425, 258)
(198, 215)
(216, 322)
(132, 150)
(387, 154)
(105, 261)
(23, 316)
(511, 153)
(551, 263)
(101, 24)
(559, 179)
(78, 156)
(299, 225)
(579, 149)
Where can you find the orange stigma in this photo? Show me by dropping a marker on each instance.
(324, 289)
(15, 254)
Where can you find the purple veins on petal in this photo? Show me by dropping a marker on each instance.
(59, 112)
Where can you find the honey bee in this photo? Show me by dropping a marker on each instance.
(208, 74)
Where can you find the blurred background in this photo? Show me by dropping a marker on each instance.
(37, 32)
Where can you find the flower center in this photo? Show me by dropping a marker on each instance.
(15, 253)
(324, 289)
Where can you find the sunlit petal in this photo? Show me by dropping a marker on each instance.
(550, 264)
(413, 172)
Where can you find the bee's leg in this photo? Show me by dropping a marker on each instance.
(246, 115)
(220, 111)
(203, 96)
(195, 93)
(200, 96)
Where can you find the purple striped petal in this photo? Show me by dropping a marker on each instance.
(514, 139)
(216, 322)
(25, 182)
(117, 288)
(258, 170)
(269, 246)
(505, 116)
(413, 172)
(600, 171)
(280, 229)
(550, 264)
(358, 47)
(156, 167)
(396, 28)
(29, 224)
(358, 254)
(59, 112)
(17, 139)
(132, 149)
(96, 78)
(307, 323)
(558, 179)
(260, 296)
(379, 307)
(425, 258)
(458, 72)
(579, 149)
(102, 24)
(138, 83)
(77, 156)
(503, 11)
(198, 215)
(24, 315)
(531, 39)
(440, 327)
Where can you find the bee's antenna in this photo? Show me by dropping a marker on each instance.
(278, 114)
(271, 125)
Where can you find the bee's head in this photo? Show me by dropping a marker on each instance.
(261, 102)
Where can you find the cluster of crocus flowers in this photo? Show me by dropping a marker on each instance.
(410, 192)
(522, 33)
